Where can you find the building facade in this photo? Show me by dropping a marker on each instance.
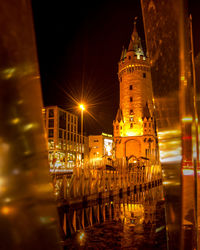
(100, 148)
(134, 125)
(65, 145)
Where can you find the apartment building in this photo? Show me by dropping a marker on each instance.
(65, 145)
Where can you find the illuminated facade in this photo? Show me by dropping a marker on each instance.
(100, 147)
(134, 125)
(64, 142)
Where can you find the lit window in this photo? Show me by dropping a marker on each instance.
(131, 87)
(131, 119)
(51, 144)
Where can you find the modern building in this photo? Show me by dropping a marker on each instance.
(65, 145)
(134, 125)
(100, 148)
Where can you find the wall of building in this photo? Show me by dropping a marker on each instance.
(100, 147)
(134, 126)
(64, 142)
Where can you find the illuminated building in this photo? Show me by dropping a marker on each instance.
(100, 147)
(134, 125)
(64, 142)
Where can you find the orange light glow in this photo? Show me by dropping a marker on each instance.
(82, 107)
(5, 210)
(187, 119)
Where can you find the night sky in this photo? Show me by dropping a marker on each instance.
(79, 45)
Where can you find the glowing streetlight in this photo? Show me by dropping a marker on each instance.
(82, 108)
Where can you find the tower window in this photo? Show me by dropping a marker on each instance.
(131, 87)
(131, 125)
(131, 112)
(131, 119)
(129, 57)
(144, 75)
(131, 99)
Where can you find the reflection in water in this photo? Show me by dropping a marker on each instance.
(134, 221)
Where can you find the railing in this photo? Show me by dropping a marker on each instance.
(91, 182)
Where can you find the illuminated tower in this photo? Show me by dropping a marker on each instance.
(134, 127)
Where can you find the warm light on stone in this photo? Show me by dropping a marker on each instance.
(134, 125)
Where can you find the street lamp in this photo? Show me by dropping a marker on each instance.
(82, 108)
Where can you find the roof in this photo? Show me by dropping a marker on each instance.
(119, 116)
(146, 112)
(135, 42)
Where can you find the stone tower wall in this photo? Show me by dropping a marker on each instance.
(135, 72)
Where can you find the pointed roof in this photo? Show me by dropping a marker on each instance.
(146, 112)
(119, 116)
(123, 55)
(135, 42)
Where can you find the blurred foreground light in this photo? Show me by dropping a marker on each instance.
(187, 119)
(15, 120)
(188, 172)
(6, 210)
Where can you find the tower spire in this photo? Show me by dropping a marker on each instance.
(135, 20)
(135, 42)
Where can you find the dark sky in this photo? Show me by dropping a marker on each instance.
(79, 45)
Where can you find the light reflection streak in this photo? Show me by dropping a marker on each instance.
(170, 146)
(187, 172)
